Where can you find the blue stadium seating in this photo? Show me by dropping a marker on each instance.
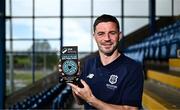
(41, 99)
(160, 46)
(60, 101)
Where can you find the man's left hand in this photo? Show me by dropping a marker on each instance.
(85, 93)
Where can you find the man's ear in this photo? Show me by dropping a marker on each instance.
(93, 34)
(120, 36)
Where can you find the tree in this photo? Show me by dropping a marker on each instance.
(43, 60)
(41, 46)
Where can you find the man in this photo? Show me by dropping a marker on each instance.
(111, 80)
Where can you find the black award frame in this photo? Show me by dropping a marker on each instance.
(69, 65)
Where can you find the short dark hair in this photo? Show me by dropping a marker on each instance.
(105, 18)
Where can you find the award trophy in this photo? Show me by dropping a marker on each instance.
(69, 64)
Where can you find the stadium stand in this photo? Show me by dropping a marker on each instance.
(39, 100)
(162, 45)
(159, 54)
(61, 101)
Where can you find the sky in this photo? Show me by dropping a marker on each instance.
(76, 31)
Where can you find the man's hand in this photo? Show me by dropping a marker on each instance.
(85, 93)
(60, 72)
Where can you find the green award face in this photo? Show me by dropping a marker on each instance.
(69, 64)
(70, 67)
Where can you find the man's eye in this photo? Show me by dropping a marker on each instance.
(100, 34)
(113, 33)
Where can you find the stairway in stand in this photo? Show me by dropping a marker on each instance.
(162, 86)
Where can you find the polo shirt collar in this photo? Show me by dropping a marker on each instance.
(111, 66)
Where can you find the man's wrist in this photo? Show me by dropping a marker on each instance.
(91, 100)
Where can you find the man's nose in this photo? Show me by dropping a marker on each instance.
(107, 37)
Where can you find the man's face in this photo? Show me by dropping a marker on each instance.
(107, 37)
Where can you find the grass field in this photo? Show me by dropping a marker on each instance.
(27, 76)
(23, 78)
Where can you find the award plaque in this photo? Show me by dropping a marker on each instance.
(69, 64)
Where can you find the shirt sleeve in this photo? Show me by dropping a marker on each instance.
(82, 72)
(133, 90)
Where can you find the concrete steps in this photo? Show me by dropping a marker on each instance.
(162, 87)
(159, 96)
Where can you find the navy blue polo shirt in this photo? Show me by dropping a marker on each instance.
(120, 82)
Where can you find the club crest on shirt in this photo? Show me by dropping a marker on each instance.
(113, 79)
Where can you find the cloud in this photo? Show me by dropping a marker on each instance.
(22, 28)
(47, 7)
(22, 7)
(47, 28)
(77, 8)
(76, 34)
